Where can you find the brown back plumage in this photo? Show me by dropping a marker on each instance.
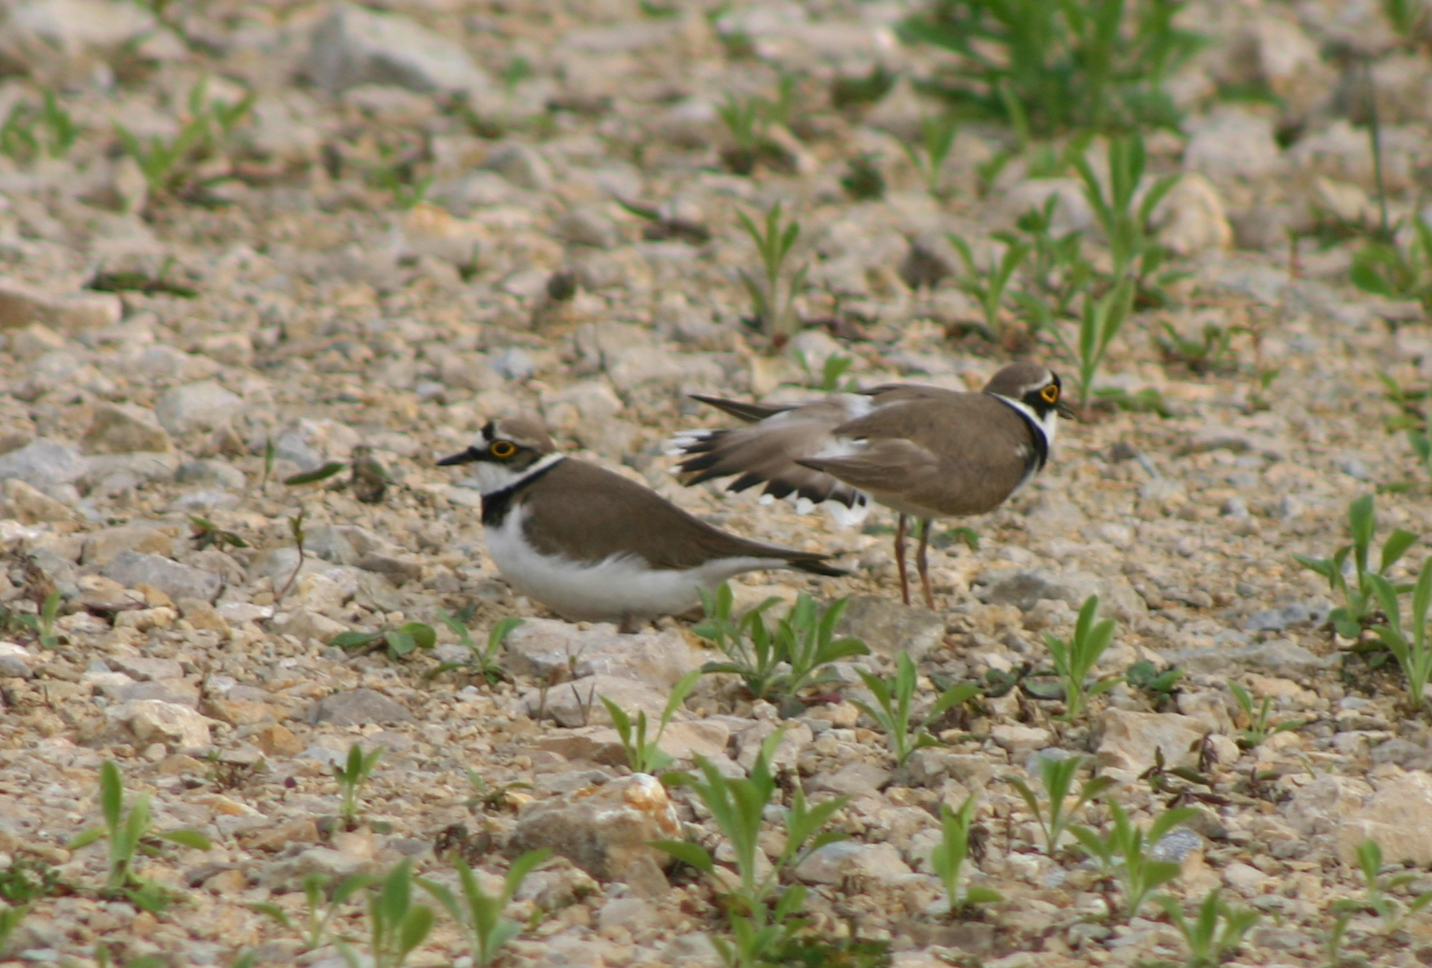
(589, 514)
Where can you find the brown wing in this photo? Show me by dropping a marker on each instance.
(589, 513)
(949, 454)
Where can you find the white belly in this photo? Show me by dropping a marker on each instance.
(609, 590)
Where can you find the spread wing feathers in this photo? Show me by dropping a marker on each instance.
(769, 453)
(613, 512)
(748, 412)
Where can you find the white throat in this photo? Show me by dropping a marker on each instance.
(492, 477)
(1046, 425)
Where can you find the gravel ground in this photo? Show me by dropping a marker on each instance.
(416, 228)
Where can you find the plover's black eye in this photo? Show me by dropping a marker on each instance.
(502, 449)
(1050, 394)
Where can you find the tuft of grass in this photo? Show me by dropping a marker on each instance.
(1074, 660)
(1215, 932)
(170, 163)
(848, 92)
(1359, 597)
(396, 925)
(1257, 731)
(1387, 268)
(1123, 213)
(774, 290)
(776, 662)
(1409, 646)
(862, 180)
(480, 913)
(1122, 854)
(128, 834)
(483, 661)
(1101, 319)
(988, 287)
(29, 132)
(1377, 895)
(398, 642)
(893, 702)
(352, 776)
(1045, 67)
(948, 858)
(323, 900)
(646, 755)
(1057, 778)
(937, 137)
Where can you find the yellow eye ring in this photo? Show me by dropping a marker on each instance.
(502, 449)
(1049, 394)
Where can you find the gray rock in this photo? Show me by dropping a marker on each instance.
(197, 406)
(44, 465)
(1280, 657)
(144, 668)
(578, 702)
(834, 863)
(155, 721)
(540, 647)
(514, 364)
(354, 45)
(1025, 589)
(522, 166)
(358, 707)
(212, 472)
(586, 226)
(889, 628)
(607, 831)
(1280, 619)
(14, 667)
(1234, 143)
(134, 568)
(852, 780)
(1130, 740)
(124, 429)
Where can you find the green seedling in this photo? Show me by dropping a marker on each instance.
(1100, 322)
(103, 959)
(396, 925)
(1074, 660)
(739, 806)
(398, 642)
(480, 913)
(1257, 731)
(892, 708)
(396, 173)
(483, 660)
(748, 121)
(1411, 20)
(773, 293)
(1048, 67)
(862, 180)
(492, 797)
(859, 92)
(949, 855)
(831, 371)
(26, 131)
(988, 286)
(937, 137)
(128, 834)
(1123, 214)
(1145, 676)
(1215, 932)
(42, 624)
(776, 663)
(1377, 890)
(167, 163)
(1409, 646)
(1386, 268)
(1359, 598)
(295, 530)
(1208, 352)
(26, 880)
(1121, 853)
(207, 534)
(646, 755)
(321, 905)
(352, 777)
(1057, 266)
(1057, 778)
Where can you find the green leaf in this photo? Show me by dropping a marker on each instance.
(400, 643)
(186, 838)
(421, 633)
(111, 794)
(353, 640)
(322, 474)
(692, 855)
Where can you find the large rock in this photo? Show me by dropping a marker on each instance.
(197, 406)
(21, 305)
(29, 505)
(1129, 740)
(1024, 589)
(354, 45)
(607, 831)
(540, 647)
(43, 464)
(1395, 817)
(889, 628)
(134, 568)
(358, 707)
(155, 721)
(123, 429)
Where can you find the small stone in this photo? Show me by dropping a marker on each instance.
(1245, 879)
(521, 165)
(607, 831)
(215, 473)
(888, 628)
(398, 570)
(123, 429)
(358, 707)
(852, 780)
(1129, 740)
(134, 568)
(1025, 589)
(278, 740)
(26, 504)
(101, 546)
(542, 647)
(578, 703)
(21, 305)
(152, 720)
(586, 226)
(304, 624)
(354, 45)
(197, 406)
(1020, 739)
(1390, 818)
(835, 863)
(144, 668)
